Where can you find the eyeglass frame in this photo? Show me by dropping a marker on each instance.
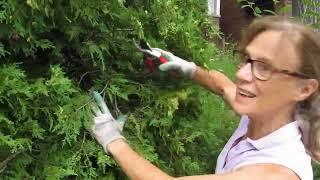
(272, 68)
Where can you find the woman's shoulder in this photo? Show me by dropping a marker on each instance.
(282, 147)
(296, 160)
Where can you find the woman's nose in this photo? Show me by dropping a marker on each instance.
(244, 73)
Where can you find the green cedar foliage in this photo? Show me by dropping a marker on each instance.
(53, 52)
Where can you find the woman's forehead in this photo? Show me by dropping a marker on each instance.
(274, 47)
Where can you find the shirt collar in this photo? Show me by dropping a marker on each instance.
(285, 133)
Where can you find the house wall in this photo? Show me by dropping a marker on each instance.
(233, 20)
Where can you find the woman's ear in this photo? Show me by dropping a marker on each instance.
(307, 88)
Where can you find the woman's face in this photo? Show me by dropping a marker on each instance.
(276, 95)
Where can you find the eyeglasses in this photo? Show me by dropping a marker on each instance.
(261, 70)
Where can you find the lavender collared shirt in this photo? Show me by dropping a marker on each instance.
(282, 147)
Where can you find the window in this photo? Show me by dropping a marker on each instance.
(214, 8)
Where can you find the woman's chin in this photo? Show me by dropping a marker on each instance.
(243, 108)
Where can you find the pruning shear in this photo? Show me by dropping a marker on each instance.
(152, 58)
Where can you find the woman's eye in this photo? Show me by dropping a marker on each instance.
(263, 67)
(245, 59)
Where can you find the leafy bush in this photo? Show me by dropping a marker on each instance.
(53, 53)
(309, 12)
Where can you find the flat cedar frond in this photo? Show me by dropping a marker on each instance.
(54, 52)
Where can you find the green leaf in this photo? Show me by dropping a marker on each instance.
(257, 10)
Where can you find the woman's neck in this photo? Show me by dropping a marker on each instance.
(263, 125)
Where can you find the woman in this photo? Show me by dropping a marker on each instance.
(276, 94)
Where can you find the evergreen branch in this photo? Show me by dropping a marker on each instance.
(4, 163)
(124, 29)
(83, 75)
(116, 107)
(83, 139)
(104, 88)
(102, 91)
(84, 105)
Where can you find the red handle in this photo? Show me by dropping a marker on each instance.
(162, 60)
(151, 66)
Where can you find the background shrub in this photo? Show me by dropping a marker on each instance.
(52, 53)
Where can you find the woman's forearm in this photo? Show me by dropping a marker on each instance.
(214, 81)
(136, 167)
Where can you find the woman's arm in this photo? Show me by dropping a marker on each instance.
(252, 172)
(137, 168)
(216, 82)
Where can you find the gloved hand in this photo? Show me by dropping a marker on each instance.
(175, 63)
(106, 129)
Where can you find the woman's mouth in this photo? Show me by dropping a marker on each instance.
(245, 93)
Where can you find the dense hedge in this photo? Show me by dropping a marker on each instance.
(53, 52)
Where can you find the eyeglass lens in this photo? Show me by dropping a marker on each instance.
(260, 70)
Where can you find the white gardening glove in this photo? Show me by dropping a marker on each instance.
(106, 129)
(175, 63)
